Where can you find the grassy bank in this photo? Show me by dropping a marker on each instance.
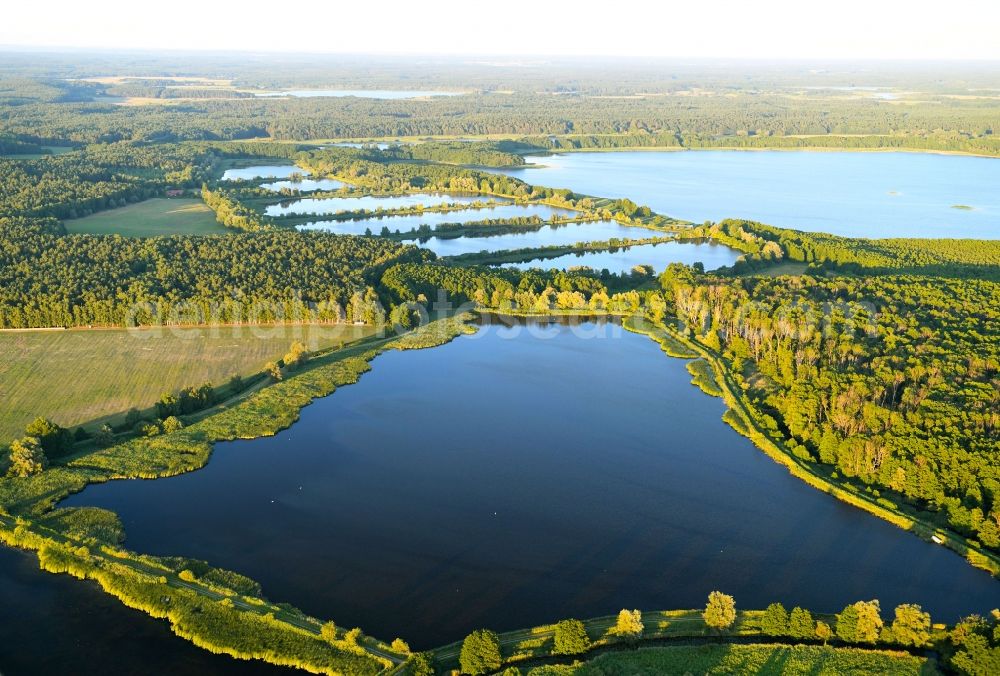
(92, 377)
(218, 610)
(765, 660)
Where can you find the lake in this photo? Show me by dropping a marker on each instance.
(261, 171)
(331, 205)
(305, 185)
(855, 194)
(56, 624)
(434, 218)
(523, 475)
(712, 254)
(359, 93)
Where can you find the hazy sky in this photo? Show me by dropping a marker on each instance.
(910, 29)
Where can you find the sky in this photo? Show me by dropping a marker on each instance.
(792, 29)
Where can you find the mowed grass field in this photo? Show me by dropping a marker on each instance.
(93, 376)
(152, 217)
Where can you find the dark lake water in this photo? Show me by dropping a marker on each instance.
(520, 476)
(56, 624)
(846, 193)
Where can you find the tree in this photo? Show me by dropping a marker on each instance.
(421, 665)
(27, 457)
(480, 653)
(329, 631)
(400, 646)
(911, 625)
(823, 632)
(167, 406)
(629, 624)
(172, 424)
(132, 418)
(105, 435)
(800, 624)
(570, 638)
(273, 370)
(353, 636)
(720, 612)
(54, 439)
(296, 356)
(775, 620)
(860, 622)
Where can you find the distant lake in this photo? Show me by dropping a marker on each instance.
(433, 218)
(857, 194)
(305, 185)
(712, 254)
(359, 93)
(520, 476)
(331, 205)
(262, 171)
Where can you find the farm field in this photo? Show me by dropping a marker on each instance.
(150, 218)
(93, 376)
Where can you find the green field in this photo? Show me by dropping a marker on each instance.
(745, 659)
(157, 216)
(90, 376)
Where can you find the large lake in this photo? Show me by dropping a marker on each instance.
(508, 479)
(856, 194)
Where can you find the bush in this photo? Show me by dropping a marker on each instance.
(570, 638)
(480, 653)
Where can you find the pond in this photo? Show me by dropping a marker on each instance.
(856, 194)
(712, 254)
(305, 185)
(359, 93)
(261, 171)
(434, 218)
(330, 205)
(56, 624)
(522, 475)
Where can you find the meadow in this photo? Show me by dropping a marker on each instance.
(95, 376)
(150, 218)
